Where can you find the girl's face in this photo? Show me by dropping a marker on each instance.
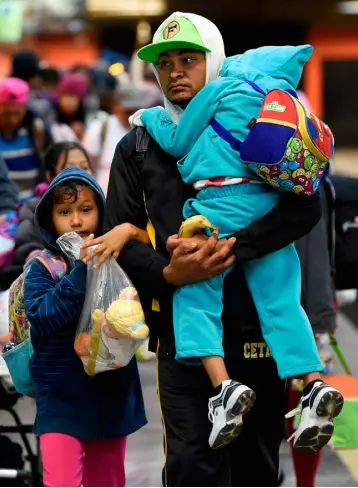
(69, 104)
(75, 157)
(81, 216)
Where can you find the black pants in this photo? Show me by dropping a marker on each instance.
(253, 458)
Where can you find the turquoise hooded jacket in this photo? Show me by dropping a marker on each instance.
(233, 103)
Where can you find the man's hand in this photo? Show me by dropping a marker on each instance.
(198, 258)
(196, 242)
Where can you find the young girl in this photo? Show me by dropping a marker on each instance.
(231, 198)
(82, 422)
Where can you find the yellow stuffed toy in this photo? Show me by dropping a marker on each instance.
(100, 348)
(126, 317)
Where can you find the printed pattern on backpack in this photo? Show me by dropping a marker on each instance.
(288, 147)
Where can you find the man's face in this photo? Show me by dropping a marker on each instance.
(182, 74)
(11, 117)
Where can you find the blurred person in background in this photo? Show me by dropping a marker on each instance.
(317, 298)
(26, 66)
(8, 219)
(51, 78)
(99, 102)
(71, 111)
(59, 156)
(103, 135)
(316, 251)
(8, 192)
(23, 137)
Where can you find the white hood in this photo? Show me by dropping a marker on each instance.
(214, 59)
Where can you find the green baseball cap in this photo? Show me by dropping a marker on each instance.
(177, 33)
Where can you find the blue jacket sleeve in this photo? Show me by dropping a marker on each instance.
(178, 140)
(52, 307)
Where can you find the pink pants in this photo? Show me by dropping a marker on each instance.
(68, 461)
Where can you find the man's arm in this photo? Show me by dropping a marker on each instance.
(125, 203)
(154, 275)
(178, 140)
(293, 217)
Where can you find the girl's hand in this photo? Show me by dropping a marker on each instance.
(112, 243)
(87, 243)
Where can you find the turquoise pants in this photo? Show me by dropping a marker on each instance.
(274, 282)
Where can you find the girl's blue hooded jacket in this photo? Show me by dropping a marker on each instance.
(108, 405)
(234, 103)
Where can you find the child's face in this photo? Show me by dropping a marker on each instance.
(76, 158)
(81, 216)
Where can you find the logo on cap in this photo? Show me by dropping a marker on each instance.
(171, 30)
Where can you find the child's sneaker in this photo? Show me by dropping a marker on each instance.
(226, 410)
(318, 408)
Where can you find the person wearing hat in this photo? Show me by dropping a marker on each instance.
(22, 137)
(145, 188)
(71, 111)
(26, 66)
(104, 133)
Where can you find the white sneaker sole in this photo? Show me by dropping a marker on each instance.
(314, 437)
(222, 435)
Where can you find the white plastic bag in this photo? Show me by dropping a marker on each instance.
(112, 324)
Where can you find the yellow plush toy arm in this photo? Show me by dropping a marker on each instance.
(97, 318)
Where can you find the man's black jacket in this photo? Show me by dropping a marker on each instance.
(156, 178)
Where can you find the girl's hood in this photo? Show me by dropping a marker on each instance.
(43, 213)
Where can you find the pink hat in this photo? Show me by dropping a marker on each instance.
(14, 90)
(75, 84)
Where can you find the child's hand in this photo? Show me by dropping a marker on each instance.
(88, 242)
(135, 119)
(109, 244)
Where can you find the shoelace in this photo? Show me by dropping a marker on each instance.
(211, 415)
(293, 413)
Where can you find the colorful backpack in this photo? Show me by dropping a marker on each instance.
(287, 146)
(19, 351)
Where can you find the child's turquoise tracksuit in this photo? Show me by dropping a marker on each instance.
(274, 280)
